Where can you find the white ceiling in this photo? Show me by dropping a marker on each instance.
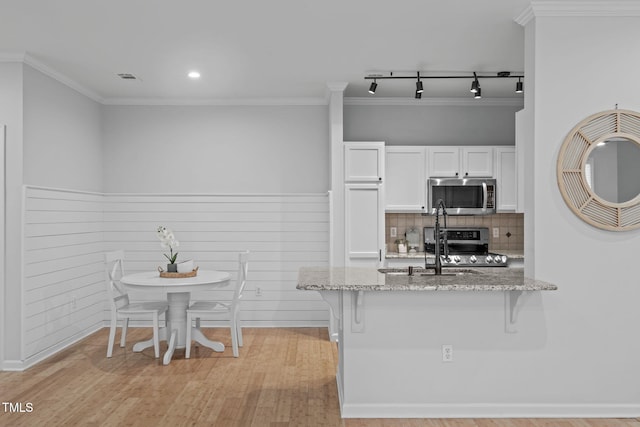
(252, 50)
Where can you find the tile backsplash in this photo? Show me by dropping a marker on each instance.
(508, 223)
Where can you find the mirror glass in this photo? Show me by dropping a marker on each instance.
(613, 170)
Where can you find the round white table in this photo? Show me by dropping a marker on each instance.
(178, 294)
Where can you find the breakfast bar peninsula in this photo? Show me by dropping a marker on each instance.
(415, 344)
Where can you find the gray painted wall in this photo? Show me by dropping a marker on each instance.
(216, 149)
(430, 125)
(62, 135)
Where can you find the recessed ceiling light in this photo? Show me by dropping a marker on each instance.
(194, 75)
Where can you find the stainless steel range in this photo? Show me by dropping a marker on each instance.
(464, 247)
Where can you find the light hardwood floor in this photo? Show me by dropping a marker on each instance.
(284, 377)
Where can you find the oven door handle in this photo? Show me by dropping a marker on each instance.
(484, 196)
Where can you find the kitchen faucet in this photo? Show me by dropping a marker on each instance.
(439, 234)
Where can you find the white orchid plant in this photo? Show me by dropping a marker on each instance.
(168, 241)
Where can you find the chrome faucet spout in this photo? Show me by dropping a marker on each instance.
(440, 235)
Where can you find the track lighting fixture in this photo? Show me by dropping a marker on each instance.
(373, 87)
(475, 83)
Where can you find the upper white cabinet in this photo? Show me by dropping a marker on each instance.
(443, 161)
(477, 161)
(460, 162)
(506, 178)
(406, 179)
(363, 161)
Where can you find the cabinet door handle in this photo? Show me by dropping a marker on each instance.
(456, 173)
(380, 255)
(466, 174)
(379, 178)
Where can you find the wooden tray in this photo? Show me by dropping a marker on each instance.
(166, 274)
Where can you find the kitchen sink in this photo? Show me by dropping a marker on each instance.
(419, 271)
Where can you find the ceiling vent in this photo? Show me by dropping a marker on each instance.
(127, 76)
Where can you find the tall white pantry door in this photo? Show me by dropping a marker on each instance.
(364, 224)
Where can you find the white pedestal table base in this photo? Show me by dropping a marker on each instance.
(176, 330)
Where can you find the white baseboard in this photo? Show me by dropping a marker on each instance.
(551, 410)
(21, 365)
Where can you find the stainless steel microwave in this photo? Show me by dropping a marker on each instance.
(462, 196)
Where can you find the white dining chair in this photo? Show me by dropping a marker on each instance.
(230, 310)
(123, 309)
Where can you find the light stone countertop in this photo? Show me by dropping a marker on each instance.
(464, 279)
(420, 255)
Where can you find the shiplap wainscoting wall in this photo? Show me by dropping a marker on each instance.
(66, 233)
(63, 278)
(283, 232)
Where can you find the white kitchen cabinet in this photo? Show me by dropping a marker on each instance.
(506, 179)
(364, 225)
(460, 162)
(477, 161)
(363, 161)
(443, 161)
(405, 179)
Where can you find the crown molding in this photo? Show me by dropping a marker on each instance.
(585, 8)
(337, 86)
(56, 75)
(437, 102)
(525, 16)
(216, 101)
(12, 56)
(25, 58)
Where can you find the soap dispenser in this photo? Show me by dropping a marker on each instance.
(413, 239)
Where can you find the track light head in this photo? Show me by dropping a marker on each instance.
(419, 88)
(418, 95)
(373, 87)
(519, 86)
(478, 94)
(475, 84)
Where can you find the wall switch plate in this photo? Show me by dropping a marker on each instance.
(447, 353)
(394, 232)
(496, 231)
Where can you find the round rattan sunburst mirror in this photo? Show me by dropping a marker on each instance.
(574, 171)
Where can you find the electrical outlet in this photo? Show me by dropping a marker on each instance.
(394, 232)
(496, 232)
(447, 353)
(258, 292)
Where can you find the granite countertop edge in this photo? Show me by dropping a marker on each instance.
(363, 279)
(420, 255)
